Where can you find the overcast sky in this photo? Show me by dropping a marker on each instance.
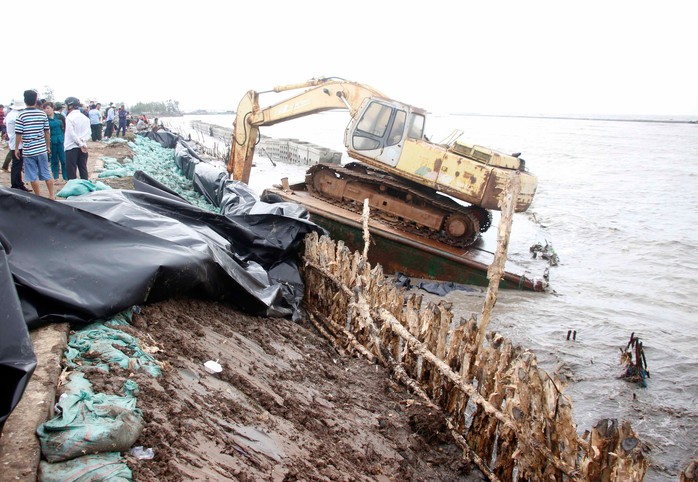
(500, 57)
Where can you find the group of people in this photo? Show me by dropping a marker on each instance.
(38, 130)
(48, 139)
(113, 117)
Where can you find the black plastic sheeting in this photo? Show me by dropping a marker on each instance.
(17, 360)
(164, 138)
(93, 256)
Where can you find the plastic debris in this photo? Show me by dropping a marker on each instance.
(213, 367)
(142, 454)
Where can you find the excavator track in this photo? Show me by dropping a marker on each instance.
(404, 205)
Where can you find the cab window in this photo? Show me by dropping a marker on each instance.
(416, 127)
(379, 126)
(375, 120)
(397, 128)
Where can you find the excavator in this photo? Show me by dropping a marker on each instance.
(402, 173)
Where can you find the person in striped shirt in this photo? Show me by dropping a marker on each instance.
(32, 131)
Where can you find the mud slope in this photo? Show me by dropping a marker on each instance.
(286, 406)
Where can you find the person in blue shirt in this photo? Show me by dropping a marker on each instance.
(95, 115)
(56, 123)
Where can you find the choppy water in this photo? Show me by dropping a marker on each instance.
(618, 200)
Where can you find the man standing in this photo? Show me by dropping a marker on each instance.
(10, 123)
(77, 132)
(60, 113)
(32, 131)
(3, 135)
(110, 120)
(95, 115)
(123, 115)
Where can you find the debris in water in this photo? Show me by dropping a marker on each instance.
(635, 366)
(546, 252)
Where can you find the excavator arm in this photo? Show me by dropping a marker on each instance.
(320, 95)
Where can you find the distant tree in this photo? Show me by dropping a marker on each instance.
(162, 108)
(48, 93)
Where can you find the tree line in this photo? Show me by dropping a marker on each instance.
(162, 108)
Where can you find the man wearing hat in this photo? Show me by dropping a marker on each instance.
(17, 164)
(59, 110)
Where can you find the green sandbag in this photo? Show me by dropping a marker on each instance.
(78, 187)
(89, 423)
(108, 467)
(159, 162)
(108, 345)
(114, 168)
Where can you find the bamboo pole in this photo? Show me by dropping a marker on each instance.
(364, 222)
(507, 204)
(506, 421)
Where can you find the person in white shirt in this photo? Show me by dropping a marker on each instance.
(77, 133)
(141, 126)
(111, 114)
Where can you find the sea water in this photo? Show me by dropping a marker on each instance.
(618, 201)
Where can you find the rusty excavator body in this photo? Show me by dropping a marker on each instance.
(399, 171)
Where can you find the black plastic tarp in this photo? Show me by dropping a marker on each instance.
(163, 137)
(17, 360)
(93, 256)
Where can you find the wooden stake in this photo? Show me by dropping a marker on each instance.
(364, 219)
(507, 204)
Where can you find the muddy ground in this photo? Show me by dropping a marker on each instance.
(286, 406)
(95, 150)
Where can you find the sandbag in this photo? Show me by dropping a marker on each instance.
(113, 347)
(109, 467)
(78, 187)
(89, 423)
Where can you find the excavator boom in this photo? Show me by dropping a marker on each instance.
(320, 95)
